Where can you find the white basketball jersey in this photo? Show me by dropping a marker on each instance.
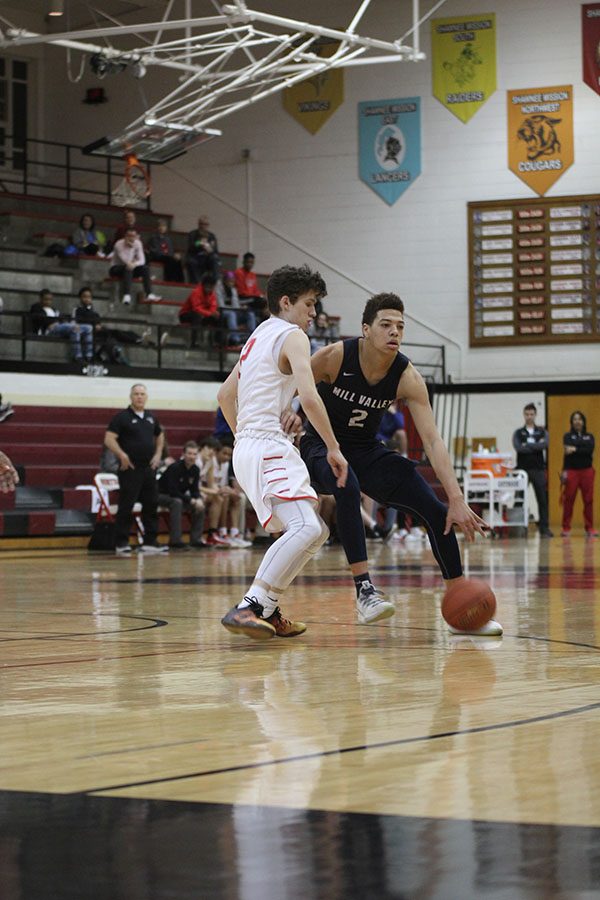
(263, 390)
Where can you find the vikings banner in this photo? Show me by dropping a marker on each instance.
(313, 101)
(540, 135)
(590, 33)
(389, 145)
(463, 58)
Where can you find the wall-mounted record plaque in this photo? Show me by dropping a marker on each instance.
(534, 271)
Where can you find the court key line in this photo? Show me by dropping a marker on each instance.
(479, 729)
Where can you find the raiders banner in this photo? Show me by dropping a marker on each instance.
(540, 134)
(590, 33)
(390, 145)
(313, 101)
(463, 58)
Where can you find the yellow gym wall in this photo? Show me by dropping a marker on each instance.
(560, 408)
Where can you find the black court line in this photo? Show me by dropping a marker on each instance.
(155, 623)
(480, 729)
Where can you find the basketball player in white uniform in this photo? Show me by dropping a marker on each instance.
(273, 365)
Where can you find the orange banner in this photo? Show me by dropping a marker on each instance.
(540, 135)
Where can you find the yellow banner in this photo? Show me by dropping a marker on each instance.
(313, 101)
(463, 59)
(540, 134)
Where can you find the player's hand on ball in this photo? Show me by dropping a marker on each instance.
(463, 516)
(339, 466)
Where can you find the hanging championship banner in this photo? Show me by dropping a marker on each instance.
(540, 135)
(590, 34)
(463, 59)
(389, 133)
(313, 101)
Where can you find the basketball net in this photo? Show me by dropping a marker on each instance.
(135, 187)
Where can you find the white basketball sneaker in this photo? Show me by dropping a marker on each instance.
(490, 629)
(371, 605)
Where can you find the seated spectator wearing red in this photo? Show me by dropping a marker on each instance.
(201, 307)
(246, 283)
(129, 262)
(160, 249)
(87, 238)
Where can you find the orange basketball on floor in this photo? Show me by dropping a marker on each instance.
(468, 604)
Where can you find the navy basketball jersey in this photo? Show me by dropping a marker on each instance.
(355, 407)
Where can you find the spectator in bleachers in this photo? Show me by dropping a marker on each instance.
(246, 283)
(129, 221)
(87, 238)
(160, 249)
(179, 491)
(202, 252)
(108, 339)
(135, 436)
(321, 332)
(231, 497)
(392, 430)
(9, 478)
(47, 321)
(231, 313)
(6, 409)
(129, 262)
(201, 307)
(210, 492)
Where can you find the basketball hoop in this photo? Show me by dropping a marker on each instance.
(135, 187)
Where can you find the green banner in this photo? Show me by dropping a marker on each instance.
(463, 59)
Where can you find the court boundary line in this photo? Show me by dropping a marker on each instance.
(339, 751)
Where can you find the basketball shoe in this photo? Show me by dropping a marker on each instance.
(248, 620)
(490, 629)
(371, 605)
(283, 627)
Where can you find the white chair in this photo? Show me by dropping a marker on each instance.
(105, 483)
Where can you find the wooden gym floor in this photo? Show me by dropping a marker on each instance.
(147, 753)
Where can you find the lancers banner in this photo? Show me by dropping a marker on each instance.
(389, 133)
(313, 101)
(540, 134)
(463, 59)
(590, 36)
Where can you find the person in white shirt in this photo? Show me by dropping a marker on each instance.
(273, 365)
(129, 262)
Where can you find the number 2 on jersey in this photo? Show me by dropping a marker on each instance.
(357, 419)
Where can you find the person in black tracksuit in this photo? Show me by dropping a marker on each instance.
(136, 438)
(179, 490)
(530, 442)
(578, 474)
(358, 379)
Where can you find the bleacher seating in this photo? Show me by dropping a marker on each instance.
(60, 448)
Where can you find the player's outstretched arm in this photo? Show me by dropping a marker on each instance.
(227, 397)
(296, 351)
(8, 474)
(413, 390)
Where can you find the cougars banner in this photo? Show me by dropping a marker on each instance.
(463, 58)
(390, 145)
(590, 32)
(313, 101)
(540, 134)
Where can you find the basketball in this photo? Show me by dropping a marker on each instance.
(468, 604)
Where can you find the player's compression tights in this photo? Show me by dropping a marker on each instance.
(304, 533)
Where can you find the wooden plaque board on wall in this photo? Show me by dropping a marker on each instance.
(534, 271)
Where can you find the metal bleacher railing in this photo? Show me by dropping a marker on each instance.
(35, 167)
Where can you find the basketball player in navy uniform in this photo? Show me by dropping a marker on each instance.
(358, 379)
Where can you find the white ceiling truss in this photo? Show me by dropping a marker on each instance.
(232, 59)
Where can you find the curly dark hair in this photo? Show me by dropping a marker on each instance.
(379, 302)
(291, 282)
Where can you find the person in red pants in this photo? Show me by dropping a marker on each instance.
(578, 474)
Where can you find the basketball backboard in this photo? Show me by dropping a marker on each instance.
(152, 142)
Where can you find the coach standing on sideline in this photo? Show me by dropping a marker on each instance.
(530, 441)
(136, 438)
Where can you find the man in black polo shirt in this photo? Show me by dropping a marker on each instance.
(179, 489)
(530, 441)
(136, 438)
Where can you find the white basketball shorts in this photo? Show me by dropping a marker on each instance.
(268, 469)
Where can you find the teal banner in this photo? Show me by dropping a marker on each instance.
(389, 137)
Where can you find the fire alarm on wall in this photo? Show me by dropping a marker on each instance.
(95, 95)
